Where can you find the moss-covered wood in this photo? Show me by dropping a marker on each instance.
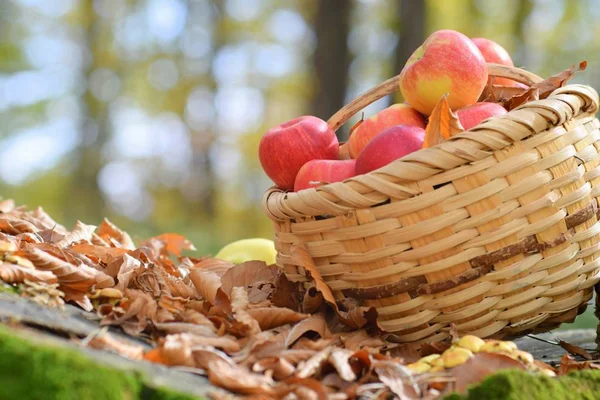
(33, 371)
(519, 385)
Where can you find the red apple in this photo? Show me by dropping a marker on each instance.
(472, 115)
(397, 114)
(447, 62)
(494, 53)
(284, 149)
(390, 145)
(316, 171)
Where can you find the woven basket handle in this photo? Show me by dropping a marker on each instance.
(391, 85)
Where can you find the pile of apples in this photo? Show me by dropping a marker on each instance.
(305, 151)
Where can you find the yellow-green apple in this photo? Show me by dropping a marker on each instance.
(284, 149)
(473, 114)
(316, 172)
(389, 145)
(494, 53)
(448, 62)
(397, 114)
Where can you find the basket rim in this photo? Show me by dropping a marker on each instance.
(472, 145)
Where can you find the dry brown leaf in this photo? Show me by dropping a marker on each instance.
(356, 317)
(239, 304)
(7, 206)
(110, 233)
(315, 323)
(81, 232)
(185, 327)
(106, 341)
(308, 389)
(500, 93)
(80, 278)
(280, 368)
(16, 226)
(442, 124)
(397, 378)
(206, 277)
(286, 294)
(248, 273)
(239, 380)
(273, 317)
(575, 350)
(99, 253)
(13, 273)
(313, 365)
(549, 85)
(568, 363)
(360, 339)
(340, 359)
(172, 243)
(43, 221)
(135, 312)
(124, 269)
(528, 95)
(479, 367)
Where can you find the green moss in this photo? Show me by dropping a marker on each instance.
(31, 371)
(517, 385)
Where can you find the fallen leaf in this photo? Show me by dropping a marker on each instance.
(280, 368)
(315, 323)
(239, 380)
(272, 317)
(443, 123)
(360, 339)
(568, 363)
(13, 273)
(16, 226)
(479, 367)
(528, 95)
(248, 273)
(172, 243)
(206, 277)
(80, 278)
(397, 378)
(575, 350)
(99, 253)
(106, 341)
(81, 232)
(500, 94)
(313, 385)
(549, 85)
(356, 317)
(286, 293)
(7, 206)
(313, 365)
(340, 359)
(107, 231)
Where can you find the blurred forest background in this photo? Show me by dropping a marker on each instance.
(150, 112)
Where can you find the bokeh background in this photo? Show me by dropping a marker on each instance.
(150, 112)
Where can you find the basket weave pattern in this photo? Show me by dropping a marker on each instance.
(495, 230)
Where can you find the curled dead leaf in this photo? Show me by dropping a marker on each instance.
(315, 323)
(239, 380)
(14, 273)
(575, 350)
(172, 243)
(81, 232)
(273, 317)
(549, 85)
(443, 123)
(112, 234)
(479, 367)
(106, 341)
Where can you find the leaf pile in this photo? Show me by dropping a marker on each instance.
(246, 327)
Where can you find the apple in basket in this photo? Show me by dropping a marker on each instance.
(473, 114)
(494, 53)
(447, 62)
(389, 145)
(397, 114)
(284, 149)
(316, 172)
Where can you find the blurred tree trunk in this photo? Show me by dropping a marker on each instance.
(411, 15)
(331, 57)
(85, 199)
(525, 8)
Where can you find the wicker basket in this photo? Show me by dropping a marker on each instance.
(495, 230)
